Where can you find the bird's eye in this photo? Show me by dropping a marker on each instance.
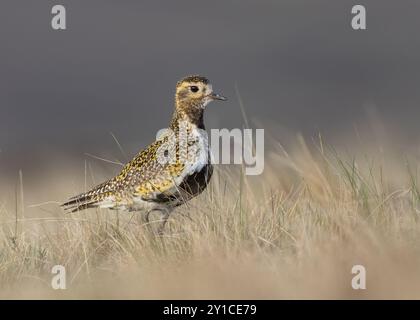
(194, 88)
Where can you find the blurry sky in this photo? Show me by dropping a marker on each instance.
(298, 66)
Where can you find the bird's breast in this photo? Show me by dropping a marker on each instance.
(197, 152)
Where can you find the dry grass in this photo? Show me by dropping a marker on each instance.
(294, 232)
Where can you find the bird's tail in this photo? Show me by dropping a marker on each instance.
(90, 199)
(80, 202)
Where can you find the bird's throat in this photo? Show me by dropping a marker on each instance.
(192, 113)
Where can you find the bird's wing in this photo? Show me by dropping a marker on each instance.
(144, 176)
(149, 177)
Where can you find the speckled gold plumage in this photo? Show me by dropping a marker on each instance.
(148, 180)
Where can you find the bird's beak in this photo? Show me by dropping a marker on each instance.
(215, 96)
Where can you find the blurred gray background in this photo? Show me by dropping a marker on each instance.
(298, 65)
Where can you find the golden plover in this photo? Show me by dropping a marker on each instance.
(170, 171)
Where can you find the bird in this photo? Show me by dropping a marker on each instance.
(170, 171)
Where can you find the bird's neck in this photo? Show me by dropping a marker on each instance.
(192, 114)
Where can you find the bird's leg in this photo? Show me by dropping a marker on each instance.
(165, 216)
(147, 215)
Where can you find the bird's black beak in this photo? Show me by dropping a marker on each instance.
(215, 96)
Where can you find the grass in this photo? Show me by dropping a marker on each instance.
(294, 232)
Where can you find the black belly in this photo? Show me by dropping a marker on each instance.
(196, 183)
(190, 187)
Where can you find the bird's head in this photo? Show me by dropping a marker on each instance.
(195, 92)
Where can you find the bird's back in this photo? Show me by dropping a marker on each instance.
(147, 180)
